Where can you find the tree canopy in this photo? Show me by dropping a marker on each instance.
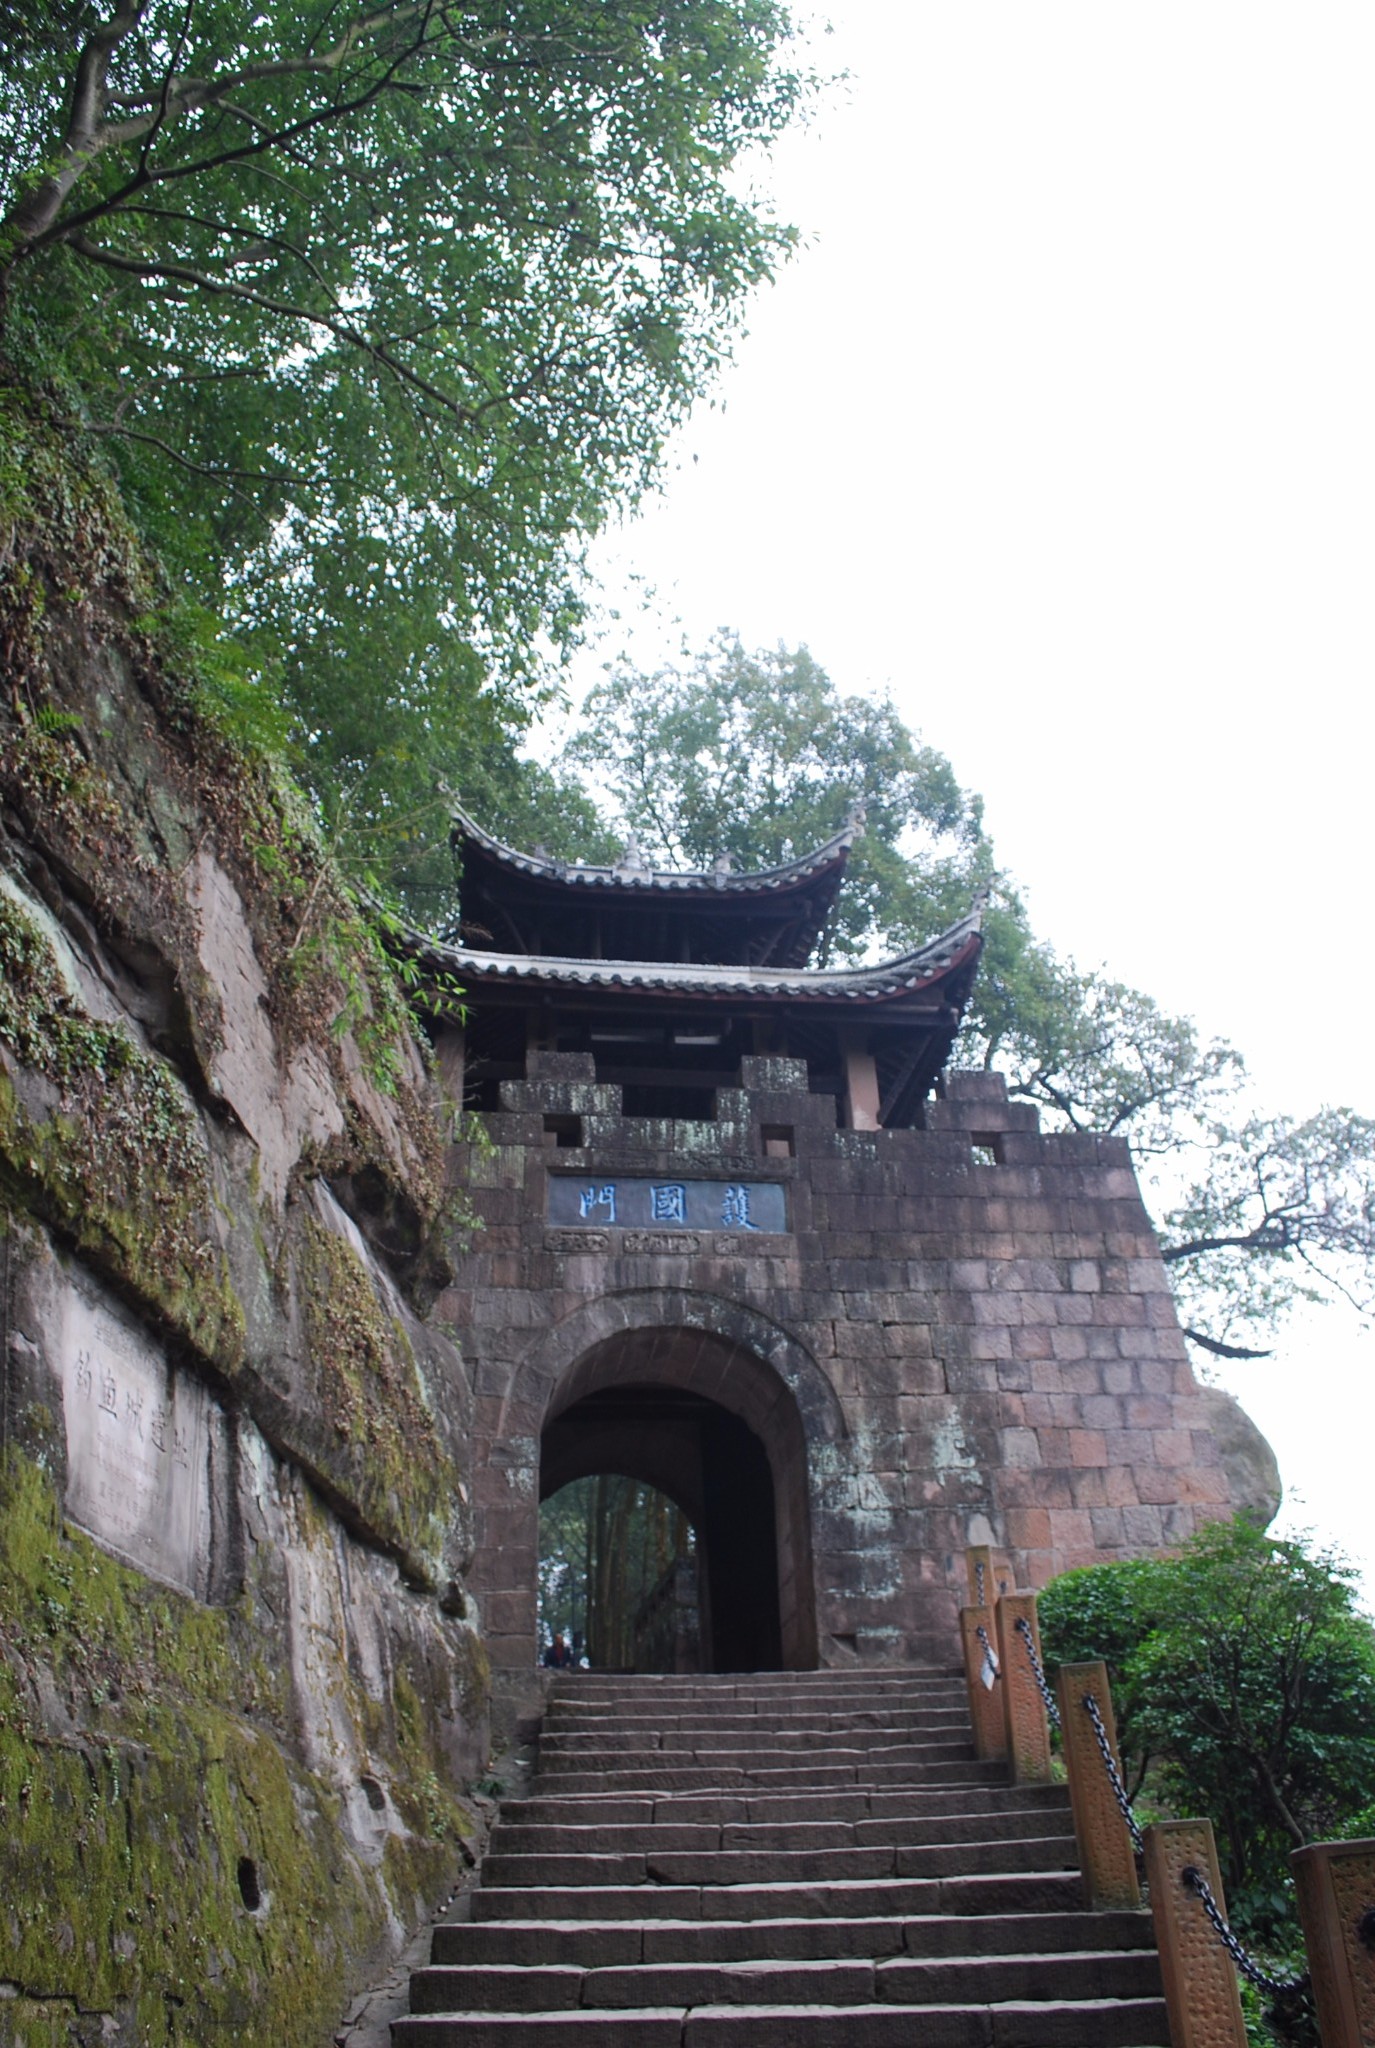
(377, 311)
(760, 755)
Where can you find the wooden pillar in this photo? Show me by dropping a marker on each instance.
(1107, 1861)
(1025, 1721)
(861, 1085)
(1201, 1994)
(1336, 1886)
(985, 1705)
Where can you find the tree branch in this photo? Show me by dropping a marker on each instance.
(33, 222)
(184, 273)
(32, 215)
(1271, 1235)
(1221, 1350)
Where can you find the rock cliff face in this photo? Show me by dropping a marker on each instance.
(239, 1674)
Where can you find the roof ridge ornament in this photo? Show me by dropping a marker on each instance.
(632, 860)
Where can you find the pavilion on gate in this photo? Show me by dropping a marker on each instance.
(668, 980)
(745, 1239)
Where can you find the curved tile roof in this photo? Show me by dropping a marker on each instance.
(633, 875)
(955, 948)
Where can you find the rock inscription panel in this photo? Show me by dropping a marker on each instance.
(137, 1469)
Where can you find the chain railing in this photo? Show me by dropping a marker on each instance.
(1038, 1672)
(1336, 1881)
(1119, 1790)
(1193, 1880)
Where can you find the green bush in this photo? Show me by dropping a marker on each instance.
(1244, 1679)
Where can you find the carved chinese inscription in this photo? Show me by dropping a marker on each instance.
(638, 1203)
(136, 1449)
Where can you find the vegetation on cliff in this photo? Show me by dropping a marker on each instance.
(377, 313)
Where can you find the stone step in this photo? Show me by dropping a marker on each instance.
(595, 1837)
(859, 1803)
(590, 1944)
(780, 1866)
(1135, 2023)
(705, 1684)
(761, 1732)
(711, 1739)
(785, 1862)
(650, 1729)
(1039, 1891)
(927, 1699)
(855, 1980)
(668, 1774)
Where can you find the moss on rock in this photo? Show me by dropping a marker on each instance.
(171, 1876)
(371, 1396)
(119, 1162)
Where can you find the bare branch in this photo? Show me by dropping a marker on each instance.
(1221, 1350)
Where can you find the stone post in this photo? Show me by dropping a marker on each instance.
(985, 1705)
(1201, 1995)
(1026, 1723)
(1106, 1858)
(1336, 1886)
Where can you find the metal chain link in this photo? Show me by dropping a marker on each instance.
(1023, 1628)
(1119, 1790)
(989, 1652)
(1194, 1881)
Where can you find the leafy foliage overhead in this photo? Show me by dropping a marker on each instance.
(379, 310)
(760, 757)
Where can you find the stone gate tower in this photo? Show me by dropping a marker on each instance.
(745, 1239)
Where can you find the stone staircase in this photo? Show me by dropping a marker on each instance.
(787, 1860)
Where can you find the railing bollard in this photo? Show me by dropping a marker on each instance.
(1201, 1995)
(1336, 1886)
(985, 1707)
(1106, 1858)
(1026, 1727)
(978, 1558)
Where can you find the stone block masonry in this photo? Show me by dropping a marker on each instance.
(960, 1334)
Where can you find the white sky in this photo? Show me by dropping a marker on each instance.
(1062, 426)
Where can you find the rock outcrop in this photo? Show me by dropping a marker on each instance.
(239, 1673)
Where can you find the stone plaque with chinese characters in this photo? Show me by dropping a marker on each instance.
(631, 1202)
(137, 1475)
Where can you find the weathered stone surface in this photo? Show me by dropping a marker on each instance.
(942, 1351)
(240, 1682)
(143, 1441)
(1250, 1466)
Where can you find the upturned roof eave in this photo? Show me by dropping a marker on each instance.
(941, 960)
(632, 883)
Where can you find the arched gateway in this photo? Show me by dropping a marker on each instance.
(721, 1410)
(743, 1237)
